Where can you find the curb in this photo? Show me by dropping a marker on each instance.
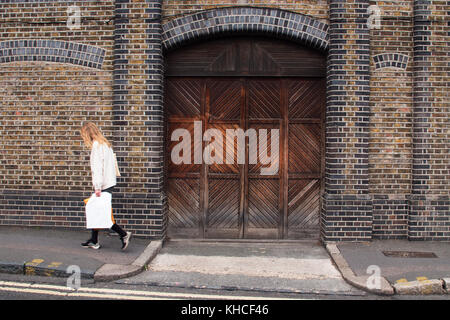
(29, 268)
(58, 271)
(447, 284)
(111, 272)
(422, 287)
(250, 289)
(12, 267)
(107, 272)
(349, 276)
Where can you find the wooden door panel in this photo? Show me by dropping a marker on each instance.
(223, 112)
(225, 99)
(229, 150)
(184, 209)
(264, 215)
(304, 148)
(229, 200)
(303, 208)
(264, 99)
(183, 97)
(255, 169)
(245, 56)
(263, 207)
(191, 167)
(306, 98)
(223, 207)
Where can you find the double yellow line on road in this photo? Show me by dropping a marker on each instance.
(103, 293)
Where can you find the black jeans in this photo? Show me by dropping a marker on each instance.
(115, 227)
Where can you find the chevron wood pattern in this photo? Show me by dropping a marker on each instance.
(306, 98)
(177, 168)
(182, 97)
(304, 148)
(227, 147)
(267, 151)
(236, 200)
(184, 198)
(223, 209)
(264, 99)
(263, 208)
(304, 196)
(225, 99)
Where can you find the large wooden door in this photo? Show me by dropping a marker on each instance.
(249, 84)
(234, 199)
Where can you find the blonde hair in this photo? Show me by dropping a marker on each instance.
(90, 133)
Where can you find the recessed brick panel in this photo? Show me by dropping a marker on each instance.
(391, 99)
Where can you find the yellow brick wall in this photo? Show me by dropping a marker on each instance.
(176, 8)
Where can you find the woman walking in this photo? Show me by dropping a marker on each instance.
(103, 167)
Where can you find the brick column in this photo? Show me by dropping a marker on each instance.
(429, 217)
(138, 117)
(347, 206)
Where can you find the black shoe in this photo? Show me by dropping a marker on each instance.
(126, 240)
(91, 244)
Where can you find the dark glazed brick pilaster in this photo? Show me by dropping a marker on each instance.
(347, 206)
(138, 116)
(429, 217)
(422, 102)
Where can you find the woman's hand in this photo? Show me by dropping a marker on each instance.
(98, 193)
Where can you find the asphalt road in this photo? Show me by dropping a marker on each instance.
(30, 294)
(18, 287)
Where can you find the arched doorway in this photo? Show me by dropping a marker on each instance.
(247, 83)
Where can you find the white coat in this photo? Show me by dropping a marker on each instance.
(103, 166)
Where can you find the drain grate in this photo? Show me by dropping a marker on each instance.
(409, 254)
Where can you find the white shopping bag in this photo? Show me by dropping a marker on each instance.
(98, 211)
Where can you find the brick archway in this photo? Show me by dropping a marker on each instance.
(346, 202)
(243, 21)
(49, 50)
(219, 22)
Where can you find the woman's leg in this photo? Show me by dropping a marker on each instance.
(94, 235)
(115, 227)
(119, 230)
(93, 241)
(124, 236)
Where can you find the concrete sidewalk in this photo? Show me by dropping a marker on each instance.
(295, 267)
(46, 252)
(286, 267)
(405, 267)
